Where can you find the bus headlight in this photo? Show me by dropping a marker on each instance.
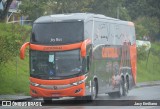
(79, 82)
(34, 84)
(74, 84)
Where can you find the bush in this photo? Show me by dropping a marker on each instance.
(14, 72)
(11, 38)
(142, 53)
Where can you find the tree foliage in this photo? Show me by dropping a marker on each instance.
(36, 8)
(32, 8)
(146, 14)
(147, 26)
(3, 12)
(154, 8)
(11, 38)
(128, 9)
(67, 6)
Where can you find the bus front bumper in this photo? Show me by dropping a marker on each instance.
(73, 91)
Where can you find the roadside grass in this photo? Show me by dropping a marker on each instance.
(14, 73)
(15, 77)
(150, 71)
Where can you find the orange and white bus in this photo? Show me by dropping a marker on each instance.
(81, 54)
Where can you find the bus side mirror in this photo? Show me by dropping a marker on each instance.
(88, 63)
(22, 50)
(83, 47)
(85, 64)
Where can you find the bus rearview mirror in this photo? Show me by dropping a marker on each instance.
(22, 50)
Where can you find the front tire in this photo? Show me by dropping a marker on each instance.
(94, 91)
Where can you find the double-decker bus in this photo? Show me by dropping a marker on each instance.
(81, 54)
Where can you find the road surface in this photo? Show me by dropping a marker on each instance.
(136, 94)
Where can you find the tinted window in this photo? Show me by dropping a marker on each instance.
(57, 33)
(46, 65)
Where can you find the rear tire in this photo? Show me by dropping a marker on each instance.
(123, 88)
(126, 87)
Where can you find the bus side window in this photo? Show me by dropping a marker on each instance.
(84, 65)
(33, 39)
(88, 63)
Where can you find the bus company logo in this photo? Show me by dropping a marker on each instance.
(110, 52)
(6, 103)
(55, 87)
(13, 103)
(52, 48)
(56, 40)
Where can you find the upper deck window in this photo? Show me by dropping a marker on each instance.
(55, 33)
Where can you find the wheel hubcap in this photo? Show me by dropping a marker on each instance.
(94, 92)
(121, 90)
(126, 87)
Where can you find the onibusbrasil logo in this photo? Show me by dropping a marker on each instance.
(13, 103)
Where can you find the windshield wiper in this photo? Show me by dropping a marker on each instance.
(42, 76)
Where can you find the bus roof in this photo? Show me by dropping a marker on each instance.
(78, 17)
(71, 17)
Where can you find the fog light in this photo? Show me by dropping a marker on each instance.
(78, 90)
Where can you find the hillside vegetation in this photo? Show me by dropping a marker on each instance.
(148, 64)
(14, 72)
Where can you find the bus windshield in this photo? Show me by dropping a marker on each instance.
(57, 33)
(55, 65)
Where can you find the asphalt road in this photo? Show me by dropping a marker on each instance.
(136, 94)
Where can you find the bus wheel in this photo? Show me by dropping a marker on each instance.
(47, 100)
(123, 89)
(126, 87)
(94, 90)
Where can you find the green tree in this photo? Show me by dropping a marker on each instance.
(147, 26)
(4, 11)
(37, 8)
(67, 6)
(111, 8)
(137, 8)
(32, 8)
(154, 8)
(11, 39)
(148, 9)
(155, 11)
